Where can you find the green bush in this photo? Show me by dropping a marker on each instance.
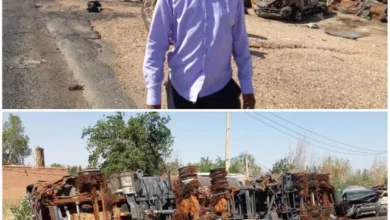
(23, 211)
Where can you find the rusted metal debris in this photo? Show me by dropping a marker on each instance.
(288, 196)
(220, 190)
(306, 195)
(186, 194)
(368, 9)
(203, 198)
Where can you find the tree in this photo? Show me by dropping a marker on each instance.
(57, 165)
(281, 166)
(23, 211)
(72, 170)
(297, 156)
(338, 168)
(238, 165)
(205, 164)
(378, 170)
(219, 162)
(144, 142)
(174, 165)
(15, 141)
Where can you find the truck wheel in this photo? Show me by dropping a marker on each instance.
(296, 14)
(325, 11)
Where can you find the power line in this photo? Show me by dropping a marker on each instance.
(330, 139)
(303, 140)
(341, 148)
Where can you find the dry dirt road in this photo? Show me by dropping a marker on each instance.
(48, 50)
(294, 66)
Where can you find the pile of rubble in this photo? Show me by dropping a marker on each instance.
(368, 9)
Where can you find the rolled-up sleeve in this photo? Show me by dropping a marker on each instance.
(156, 47)
(241, 52)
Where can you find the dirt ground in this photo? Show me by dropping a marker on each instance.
(294, 66)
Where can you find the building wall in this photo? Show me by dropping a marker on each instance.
(16, 178)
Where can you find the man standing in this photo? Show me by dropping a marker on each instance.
(205, 34)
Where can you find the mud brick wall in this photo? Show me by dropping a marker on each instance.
(16, 178)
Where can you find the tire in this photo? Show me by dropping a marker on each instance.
(296, 14)
(325, 11)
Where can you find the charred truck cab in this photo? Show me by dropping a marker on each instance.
(293, 10)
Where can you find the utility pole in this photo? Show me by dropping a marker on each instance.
(246, 164)
(227, 150)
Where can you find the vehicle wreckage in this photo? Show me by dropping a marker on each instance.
(358, 201)
(293, 10)
(186, 196)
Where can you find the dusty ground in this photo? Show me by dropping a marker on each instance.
(294, 66)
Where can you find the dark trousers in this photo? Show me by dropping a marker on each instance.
(226, 98)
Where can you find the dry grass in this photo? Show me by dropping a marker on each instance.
(294, 66)
(7, 214)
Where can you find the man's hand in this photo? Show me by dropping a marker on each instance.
(154, 106)
(249, 101)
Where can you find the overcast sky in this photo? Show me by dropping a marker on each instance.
(203, 134)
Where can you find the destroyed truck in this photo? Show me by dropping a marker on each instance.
(292, 10)
(186, 196)
(87, 196)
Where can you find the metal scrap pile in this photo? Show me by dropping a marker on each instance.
(303, 195)
(220, 190)
(203, 197)
(186, 194)
(74, 197)
(368, 9)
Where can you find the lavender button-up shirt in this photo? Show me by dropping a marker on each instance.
(205, 34)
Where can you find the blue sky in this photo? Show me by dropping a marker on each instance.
(201, 134)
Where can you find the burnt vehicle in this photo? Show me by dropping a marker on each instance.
(293, 196)
(292, 10)
(87, 196)
(186, 196)
(358, 201)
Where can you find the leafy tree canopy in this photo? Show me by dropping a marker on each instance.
(15, 141)
(143, 142)
(56, 165)
(281, 166)
(237, 164)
